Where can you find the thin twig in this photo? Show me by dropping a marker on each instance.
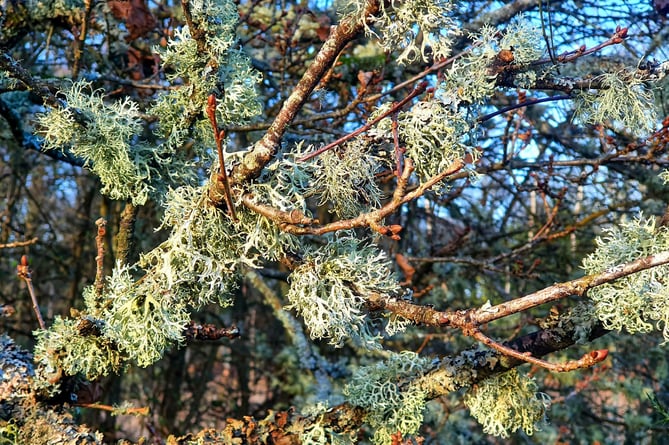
(265, 149)
(23, 271)
(143, 411)
(219, 136)
(420, 88)
(126, 228)
(588, 360)
(19, 244)
(80, 40)
(521, 105)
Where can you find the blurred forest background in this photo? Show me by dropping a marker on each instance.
(546, 187)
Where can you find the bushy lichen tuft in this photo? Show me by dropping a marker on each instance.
(386, 391)
(345, 180)
(400, 24)
(471, 77)
(107, 142)
(638, 302)
(218, 67)
(198, 263)
(433, 135)
(284, 184)
(506, 403)
(328, 289)
(142, 319)
(68, 346)
(523, 38)
(622, 99)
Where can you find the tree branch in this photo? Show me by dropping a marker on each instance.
(265, 149)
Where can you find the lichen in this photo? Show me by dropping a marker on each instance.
(637, 302)
(394, 404)
(506, 403)
(328, 289)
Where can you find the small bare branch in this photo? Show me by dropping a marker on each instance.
(588, 360)
(222, 177)
(23, 271)
(420, 88)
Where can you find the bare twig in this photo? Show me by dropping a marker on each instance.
(23, 271)
(80, 39)
(394, 109)
(588, 360)
(521, 105)
(222, 177)
(143, 411)
(618, 36)
(124, 237)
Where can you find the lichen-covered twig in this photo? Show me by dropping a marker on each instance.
(305, 226)
(473, 318)
(16, 244)
(101, 224)
(209, 332)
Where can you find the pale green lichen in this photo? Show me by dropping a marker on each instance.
(284, 184)
(68, 347)
(433, 135)
(142, 319)
(220, 69)
(107, 141)
(471, 78)
(524, 39)
(345, 179)
(199, 261)
(506, 403)
(637, 302)
(394, 404)
(664, 176)
(398, 26)
(621, 99)
(328, 289)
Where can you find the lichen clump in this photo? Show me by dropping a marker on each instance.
(506, 403)
(387, 391)
(328, 289)
(637, 302)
